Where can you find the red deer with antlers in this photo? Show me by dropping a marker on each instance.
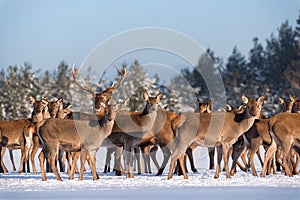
(63, 133)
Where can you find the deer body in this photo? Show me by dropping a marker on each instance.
(197, 128)
(12, 136)
(85, 136)
(285, 130)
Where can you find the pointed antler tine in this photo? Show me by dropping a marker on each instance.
(119, 71)
(84, 87)
(123, 75)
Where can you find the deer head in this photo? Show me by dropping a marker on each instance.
(253, 106)
(204, 107)
(100, 99)
(40, 109)
(287, 106)
(151, 102)
(64, 112)
(238, 110)
(54, 107)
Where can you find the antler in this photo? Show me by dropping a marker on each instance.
(84, 87)
(123, 75)
(111, 88)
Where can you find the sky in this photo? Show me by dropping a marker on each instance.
(44, 33)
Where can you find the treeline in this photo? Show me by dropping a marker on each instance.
(272, 70)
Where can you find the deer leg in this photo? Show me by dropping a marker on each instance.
(166, 153)
(131, 167)
(11, 156)
(53, 159)
(22, 161)
(172, 164)
(178, 153)
(117, 164)
(109, 151)
(269, 156)
(189, 153)
(1, 168)
(153, 156)
(83, 158)
(226, 158)
(144, 157)
(237, 152)
(182, 165)
(61, 160)
(75, 163)
(296, 167)
(36, 145)
(2, 156)
(259, 157)
(42, 156)
(137, 154)
(278, 159)
(285, 156)
(68, 158)
(92, 156)
(219, 159)
(255, 144)
(211, 154)
(74, 159)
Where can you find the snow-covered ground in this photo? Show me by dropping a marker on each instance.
(201, 185)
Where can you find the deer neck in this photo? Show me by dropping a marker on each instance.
(107, 123)
(244, 121)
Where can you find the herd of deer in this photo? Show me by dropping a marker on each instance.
(237, 132)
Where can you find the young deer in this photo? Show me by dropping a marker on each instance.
(224, 132)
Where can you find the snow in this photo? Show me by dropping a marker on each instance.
(201, 185)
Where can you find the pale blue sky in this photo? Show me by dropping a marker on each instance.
(47, 32)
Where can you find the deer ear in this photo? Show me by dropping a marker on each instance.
(281, 101)
(228, 107)
(69, 106)
(32, 100)
(89, 96)
(121, 106)
(146, 95)
(159, 96)
(293, 99)
(244, 99)
(261, 100)
(60, 100)
(45, 102)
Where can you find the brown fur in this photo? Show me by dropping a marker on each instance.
(196, 128)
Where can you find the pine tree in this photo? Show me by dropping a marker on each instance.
(234, 77)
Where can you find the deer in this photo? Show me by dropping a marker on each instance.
(12, 132)
(131, 127)
(284, 129)
(160, 134)
(201, 108)
(100, 101)
(55, 110)
(196, 127)
(85, 136)
(258, 135)
(251, 140)
(290, 106)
